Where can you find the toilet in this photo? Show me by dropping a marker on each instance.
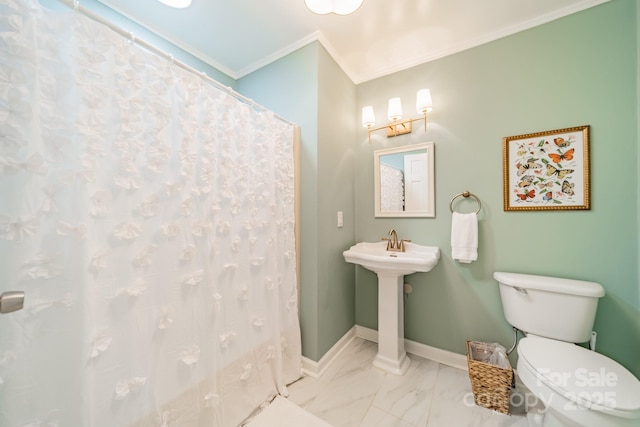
(574, 386)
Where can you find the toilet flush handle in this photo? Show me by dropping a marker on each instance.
(521, 290)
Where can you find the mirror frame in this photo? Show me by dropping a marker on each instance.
(430, 212)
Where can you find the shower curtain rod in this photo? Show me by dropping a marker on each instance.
(75, 4)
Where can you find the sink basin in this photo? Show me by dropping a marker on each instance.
(391, 267)
(375, 257)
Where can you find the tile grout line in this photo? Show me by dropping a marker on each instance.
(373, 399)
(435, 385)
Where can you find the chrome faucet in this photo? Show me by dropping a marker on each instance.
(392, 241)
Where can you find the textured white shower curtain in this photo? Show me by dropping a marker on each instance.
(391, 189)
(149, 218)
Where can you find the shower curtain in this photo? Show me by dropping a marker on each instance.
(391, 189)
(149, 218)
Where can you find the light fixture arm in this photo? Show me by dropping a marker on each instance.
(392, 128)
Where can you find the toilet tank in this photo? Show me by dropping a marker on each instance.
(561, 309)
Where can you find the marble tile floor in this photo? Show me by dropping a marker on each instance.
(353, 393)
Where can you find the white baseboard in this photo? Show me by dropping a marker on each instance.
(316, 369)
(445, 357)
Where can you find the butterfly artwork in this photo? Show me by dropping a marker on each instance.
(561, 142)
(526, 181)
(567, 155)
(561, 173)
(547, 170)
(527, 195)
(545, 184)
(529, 165)
(522, 150)
(567, 187)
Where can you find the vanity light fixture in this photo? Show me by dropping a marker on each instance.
(339, 7)
(178, 4)
(397, 126)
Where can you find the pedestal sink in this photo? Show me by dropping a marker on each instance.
(391, 267)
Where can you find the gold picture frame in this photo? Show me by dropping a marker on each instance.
(547, 170)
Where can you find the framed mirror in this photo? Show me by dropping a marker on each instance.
(404, 181)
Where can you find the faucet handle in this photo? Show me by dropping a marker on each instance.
(402, 244)
(388, 242)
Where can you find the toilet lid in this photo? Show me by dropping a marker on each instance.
(581, 375)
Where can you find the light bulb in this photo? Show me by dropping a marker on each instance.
(423, 101)
(395, 109)
(368, 117)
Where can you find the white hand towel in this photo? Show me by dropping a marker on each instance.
(464, 237)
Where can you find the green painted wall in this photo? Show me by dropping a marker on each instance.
(336, 172)
(574, 71)
(638, 134)
(308, 88)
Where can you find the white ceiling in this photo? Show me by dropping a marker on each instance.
(382, 37)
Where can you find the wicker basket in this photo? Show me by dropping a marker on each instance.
(491, 384)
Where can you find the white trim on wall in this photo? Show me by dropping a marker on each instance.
(459, 47)
(317, 35)
(316, 369)
(445, 357)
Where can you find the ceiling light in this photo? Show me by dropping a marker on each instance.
(178, 4)
(339, 7)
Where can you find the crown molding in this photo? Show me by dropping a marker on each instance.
(358, 78)
(478, 41)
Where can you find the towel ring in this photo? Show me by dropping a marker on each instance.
(465, 194)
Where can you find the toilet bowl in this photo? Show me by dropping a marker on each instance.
(575, 386)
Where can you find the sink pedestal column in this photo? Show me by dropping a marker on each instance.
(391, 356)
